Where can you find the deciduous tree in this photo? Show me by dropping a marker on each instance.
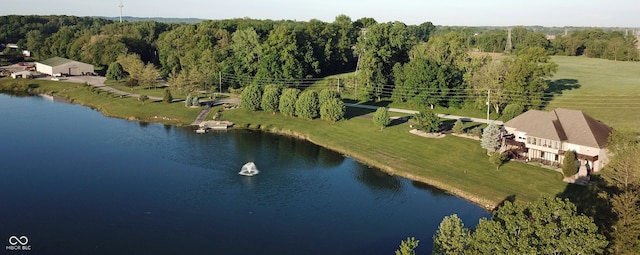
(115, 71)
(546, 226)
(381, 118)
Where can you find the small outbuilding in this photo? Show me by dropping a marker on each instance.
(58, 65)
(22, 74)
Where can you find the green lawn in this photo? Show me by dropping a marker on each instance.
(115, 106)
(606, 90)
(455, 164)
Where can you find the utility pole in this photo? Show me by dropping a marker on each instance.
(120, 5)
(220, 83)
(488, 103)
(338, 84)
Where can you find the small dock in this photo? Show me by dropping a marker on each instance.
(215, 125)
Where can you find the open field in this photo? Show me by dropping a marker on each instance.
(606, 90)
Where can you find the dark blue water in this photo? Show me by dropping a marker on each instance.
(76, 182)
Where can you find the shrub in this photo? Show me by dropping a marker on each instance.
(307, 106)
(427, 121)
(476, 131)
(270, 98)
(569, 165)
(251, 97)
(458, 127)
(287, 105)
(168, 98)
(143, 98)
(333, 110)
(381, 118)
(187, 101)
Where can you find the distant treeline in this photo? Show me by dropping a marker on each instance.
(422, 63)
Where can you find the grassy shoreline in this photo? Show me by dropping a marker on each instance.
(456, 165)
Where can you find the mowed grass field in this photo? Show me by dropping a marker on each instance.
(606, 90)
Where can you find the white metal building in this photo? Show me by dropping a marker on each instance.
(58, 65)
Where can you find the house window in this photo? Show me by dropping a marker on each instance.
(557, 158)
(542, 154)
(555, 145)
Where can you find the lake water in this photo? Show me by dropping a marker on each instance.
(75, 182)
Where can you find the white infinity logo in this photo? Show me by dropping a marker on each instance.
(14, 240)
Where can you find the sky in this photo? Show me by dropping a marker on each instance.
(559, 13)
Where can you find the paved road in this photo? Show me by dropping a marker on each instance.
(445, 116)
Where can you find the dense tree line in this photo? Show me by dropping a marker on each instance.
(418, 64)
(594, 43)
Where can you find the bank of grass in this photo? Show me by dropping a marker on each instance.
(606, 90)
(458, 165)
(112, 105)
(454, 164)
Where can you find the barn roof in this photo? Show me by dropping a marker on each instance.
(55, 61)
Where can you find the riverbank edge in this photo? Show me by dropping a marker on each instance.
(487, 204)
(484, 203)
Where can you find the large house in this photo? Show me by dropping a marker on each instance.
(58, 65)
(545, 137)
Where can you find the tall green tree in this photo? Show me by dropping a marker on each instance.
(280, 62)
(451, 237)
(149, 75)
(546, 226)
(381, 118)
(380, 47)
(132, 64)
(422, 81)
(246, 51)
(527, 75)
(288, 101)
(307, 105)
(251, 98)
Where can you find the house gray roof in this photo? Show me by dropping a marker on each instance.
(55, 61)
(562, 124)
